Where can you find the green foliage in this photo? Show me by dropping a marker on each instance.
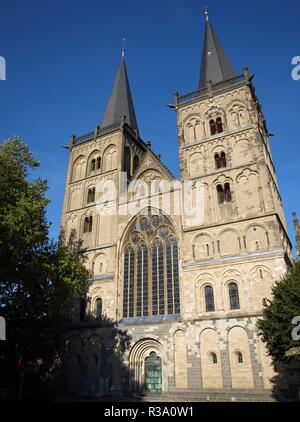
(276, 326)
(38, 277)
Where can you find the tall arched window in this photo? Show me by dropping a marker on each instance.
(91, 195)
(216, 126)
(217, 161)
(136, 163)
(98, 308)
(220, 160)
(227, 192)
(151, 272)
(224, 193)
(223, 160)
(213, 360)
(94, 163)
(128, 292)
(88, 224)
(207, 249)
(234, 298)
(172, 276)
(213, 127)
(221, 197)
(219, 125)
(142, 281)
(127, 161)
(209, 299)
(239, 357)
(158, 290)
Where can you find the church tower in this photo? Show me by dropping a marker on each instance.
(232, 259)
(173, 302)
(110, 150)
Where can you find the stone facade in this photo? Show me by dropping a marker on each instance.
(242, 240)
(297, 234)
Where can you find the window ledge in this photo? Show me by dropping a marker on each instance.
(151, 320)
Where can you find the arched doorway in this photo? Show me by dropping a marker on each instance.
(148, 366)
(153, 373)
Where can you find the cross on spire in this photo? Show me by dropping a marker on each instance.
(123, 47)
(206, 14)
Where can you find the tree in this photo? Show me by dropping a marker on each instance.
(276, 326)
(38, 276)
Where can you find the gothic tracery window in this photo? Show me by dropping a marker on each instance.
(151, 271)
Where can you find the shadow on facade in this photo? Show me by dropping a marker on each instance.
(92, 364)
(286, 384)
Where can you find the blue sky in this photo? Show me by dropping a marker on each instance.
(62, 57)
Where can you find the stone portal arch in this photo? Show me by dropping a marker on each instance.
(141, 352)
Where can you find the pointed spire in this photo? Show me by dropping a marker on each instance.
(216, 66)
(120, 103)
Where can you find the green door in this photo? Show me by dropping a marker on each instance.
(153, 373)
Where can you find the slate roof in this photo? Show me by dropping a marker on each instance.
(216, 66)
(120, 102)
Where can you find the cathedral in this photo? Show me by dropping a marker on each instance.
(173, 300)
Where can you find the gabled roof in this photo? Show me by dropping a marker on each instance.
(216, 66)
(120, 103)
(155, 163)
